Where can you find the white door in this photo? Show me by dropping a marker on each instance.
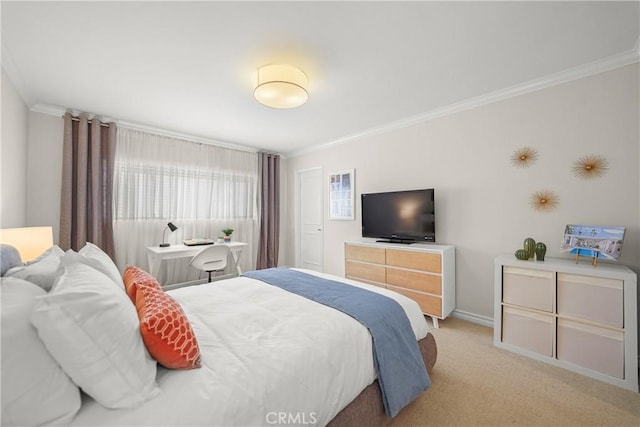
(309, 200)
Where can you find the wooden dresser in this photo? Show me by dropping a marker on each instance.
(423, 272)
(576, 316)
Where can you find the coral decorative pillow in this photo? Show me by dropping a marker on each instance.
(165, 329)
(134, 277)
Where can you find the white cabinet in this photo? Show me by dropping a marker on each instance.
(422, 272)
(577, 316)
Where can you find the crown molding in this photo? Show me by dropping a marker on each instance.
(53, 110)
(184, 136)
(50, 110)
(611, 63)
(617, 61)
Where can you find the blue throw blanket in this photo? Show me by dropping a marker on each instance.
(402, 375)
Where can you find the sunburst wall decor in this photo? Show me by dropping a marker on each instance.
(524, 157)
(543, 200)
(590, 166)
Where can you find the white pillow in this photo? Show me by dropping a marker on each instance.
(92, 330)
(102, 262)
(72, 257)
(35, 390)
(42, 270)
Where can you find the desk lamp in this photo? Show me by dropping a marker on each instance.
(171, 227)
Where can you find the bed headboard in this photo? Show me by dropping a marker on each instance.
(31, 242)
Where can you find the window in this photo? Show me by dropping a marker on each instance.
(201, 188)
(160, 192)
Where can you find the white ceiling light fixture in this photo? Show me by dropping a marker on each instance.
(281, 86)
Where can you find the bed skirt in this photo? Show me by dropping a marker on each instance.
(368, 409)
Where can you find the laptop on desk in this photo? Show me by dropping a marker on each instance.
(198, 241)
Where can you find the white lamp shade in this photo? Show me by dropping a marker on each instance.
(31, 242)
(281, 86)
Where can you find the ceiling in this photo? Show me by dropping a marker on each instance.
(187, 67)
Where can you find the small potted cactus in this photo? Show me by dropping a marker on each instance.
(227, 234)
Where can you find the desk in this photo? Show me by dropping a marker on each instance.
(156, 254)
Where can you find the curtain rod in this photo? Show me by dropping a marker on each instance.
(76, 119)
(171, 134)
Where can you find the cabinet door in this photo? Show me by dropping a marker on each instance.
(423, 282)
(368, 272)
(592, 347)
(429, 304)
(591, 298)
(424, 261)
(528, 288)
(529, 330)
(365, 253)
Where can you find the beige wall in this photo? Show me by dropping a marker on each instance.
(31, 155)
(13, 153)
(481, 199)
(45, 170)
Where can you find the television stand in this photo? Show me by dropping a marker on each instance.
(403, 241)
(424, 273)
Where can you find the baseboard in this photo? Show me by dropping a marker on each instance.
(473, 318)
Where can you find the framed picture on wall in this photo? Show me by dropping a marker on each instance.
(342, 195)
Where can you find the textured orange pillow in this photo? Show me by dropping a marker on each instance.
(165, 329)
(133, 277)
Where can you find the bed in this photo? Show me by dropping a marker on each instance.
(266, 356)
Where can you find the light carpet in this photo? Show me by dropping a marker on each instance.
(477, 384)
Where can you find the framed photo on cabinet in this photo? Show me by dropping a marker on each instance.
(342, 195)
(593, 241)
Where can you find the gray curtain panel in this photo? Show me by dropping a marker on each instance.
(87, 184)
(269, 240)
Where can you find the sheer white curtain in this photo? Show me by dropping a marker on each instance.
(200, 188)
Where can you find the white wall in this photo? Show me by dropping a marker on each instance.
(13, 154)
(481, 199)
(31, 153)
(44, 171)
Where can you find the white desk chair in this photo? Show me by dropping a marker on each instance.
(211, 259)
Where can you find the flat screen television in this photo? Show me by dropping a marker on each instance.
(399, 216)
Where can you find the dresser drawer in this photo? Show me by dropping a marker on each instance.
(359, 270)
(424, 282)
(365, 253)
(592, 347)
(525, 329)
(528, 288)
(429, 304)
(596, 299)
(415, 260)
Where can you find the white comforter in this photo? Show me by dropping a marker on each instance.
(268, 357)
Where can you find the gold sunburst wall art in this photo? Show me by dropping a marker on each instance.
(524, 157)
(543, 200)
(590, 166)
